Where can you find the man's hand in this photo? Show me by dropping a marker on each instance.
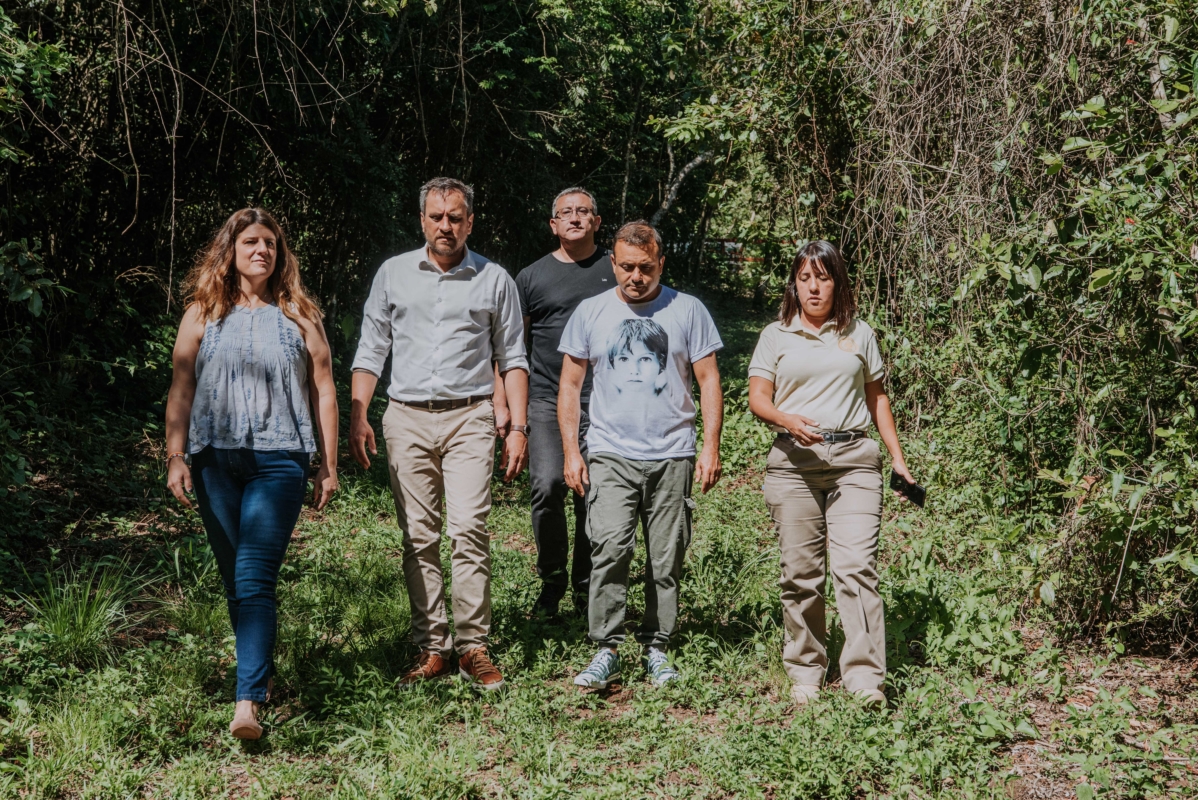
(515, 456)
(361, 439)
(503, 421)
(575, 473)
(801, 428)
(708, 469)
(178, 480)
(499, 402)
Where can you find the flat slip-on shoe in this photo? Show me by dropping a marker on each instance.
(801, 694)
(246, 729)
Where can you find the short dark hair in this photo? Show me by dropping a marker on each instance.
(825, 257)
(645, 331)
(445, 186)
(638, 233)
(574, 190)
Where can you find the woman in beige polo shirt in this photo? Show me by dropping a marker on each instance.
(816, 379)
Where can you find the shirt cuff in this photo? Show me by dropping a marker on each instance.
(570, 351)
(705, 352)
(369, 362)
(761, 372)
(518, 362)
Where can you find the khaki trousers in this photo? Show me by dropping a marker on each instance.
(826, 502)
(450, 454)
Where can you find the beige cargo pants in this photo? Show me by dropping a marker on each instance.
(437, 456)
(826, 502)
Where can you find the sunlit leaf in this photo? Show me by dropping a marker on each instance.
(1048, 594)
(1170, 28)
(1100, 278)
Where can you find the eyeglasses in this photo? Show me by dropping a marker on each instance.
(582, 212)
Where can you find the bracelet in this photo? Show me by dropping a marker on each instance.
(520, 429)
(175, 455)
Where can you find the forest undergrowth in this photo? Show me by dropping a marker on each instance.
(1013, 183)
(121, 678)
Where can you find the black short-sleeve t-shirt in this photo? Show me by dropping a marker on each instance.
(549, 291)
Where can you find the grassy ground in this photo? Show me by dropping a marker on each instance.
(120, 678)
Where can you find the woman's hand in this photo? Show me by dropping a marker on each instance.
(901, 468)
(801, 428)
(323, 486)
(179, 400)
(178, 480)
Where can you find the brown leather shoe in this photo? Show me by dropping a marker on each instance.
(429, 665)
(475, 666)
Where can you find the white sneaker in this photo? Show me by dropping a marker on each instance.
(872, 698)
(802, 693)
(657, 664)
(603, 670)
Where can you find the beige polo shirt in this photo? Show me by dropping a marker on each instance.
(821, 376)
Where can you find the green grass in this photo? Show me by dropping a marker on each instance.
(985, 701)
(78, 611)
(964, 684)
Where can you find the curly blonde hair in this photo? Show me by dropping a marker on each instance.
(213, 283)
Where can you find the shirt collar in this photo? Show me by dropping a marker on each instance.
(796, 326)
(469, 262)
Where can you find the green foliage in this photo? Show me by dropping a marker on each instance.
(22, 275)
(155, 720)
(1014, 185)
(145, 126)
(80, 610)
(26, 67)
(1028, 259)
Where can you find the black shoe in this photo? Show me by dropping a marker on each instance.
(547, 601)
(581, 602)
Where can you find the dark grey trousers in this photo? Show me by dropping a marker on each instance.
(624, 492)
(549, 493)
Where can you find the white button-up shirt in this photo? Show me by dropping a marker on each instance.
(443, 329)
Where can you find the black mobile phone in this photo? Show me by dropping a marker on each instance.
(912, 491)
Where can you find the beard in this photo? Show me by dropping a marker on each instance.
(441, 248)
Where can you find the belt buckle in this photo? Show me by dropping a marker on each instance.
(430, 406)
(829, 438)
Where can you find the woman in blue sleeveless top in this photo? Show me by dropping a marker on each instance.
(251, 401)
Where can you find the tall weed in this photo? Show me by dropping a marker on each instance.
(80, 610)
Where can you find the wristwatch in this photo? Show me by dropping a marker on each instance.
(520, 429)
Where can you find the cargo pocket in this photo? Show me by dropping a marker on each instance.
(689, 522)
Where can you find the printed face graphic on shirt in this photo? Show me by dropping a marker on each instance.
(637, 352)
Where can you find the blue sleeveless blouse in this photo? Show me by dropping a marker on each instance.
(252, 384)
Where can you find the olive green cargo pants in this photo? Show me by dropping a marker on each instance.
(622, 493)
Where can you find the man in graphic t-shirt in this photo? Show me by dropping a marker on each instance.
(644, 342)
(550, 289)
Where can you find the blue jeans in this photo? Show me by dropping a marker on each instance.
(250, 501)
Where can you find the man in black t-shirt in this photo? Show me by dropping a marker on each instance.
(550, 289)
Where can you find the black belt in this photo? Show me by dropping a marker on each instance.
(444, 405)
(831, 437)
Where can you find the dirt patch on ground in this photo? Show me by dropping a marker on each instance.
(1164, 694)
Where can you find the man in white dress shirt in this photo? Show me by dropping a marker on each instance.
(446, 315)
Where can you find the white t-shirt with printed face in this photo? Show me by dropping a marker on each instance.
(642, 406)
